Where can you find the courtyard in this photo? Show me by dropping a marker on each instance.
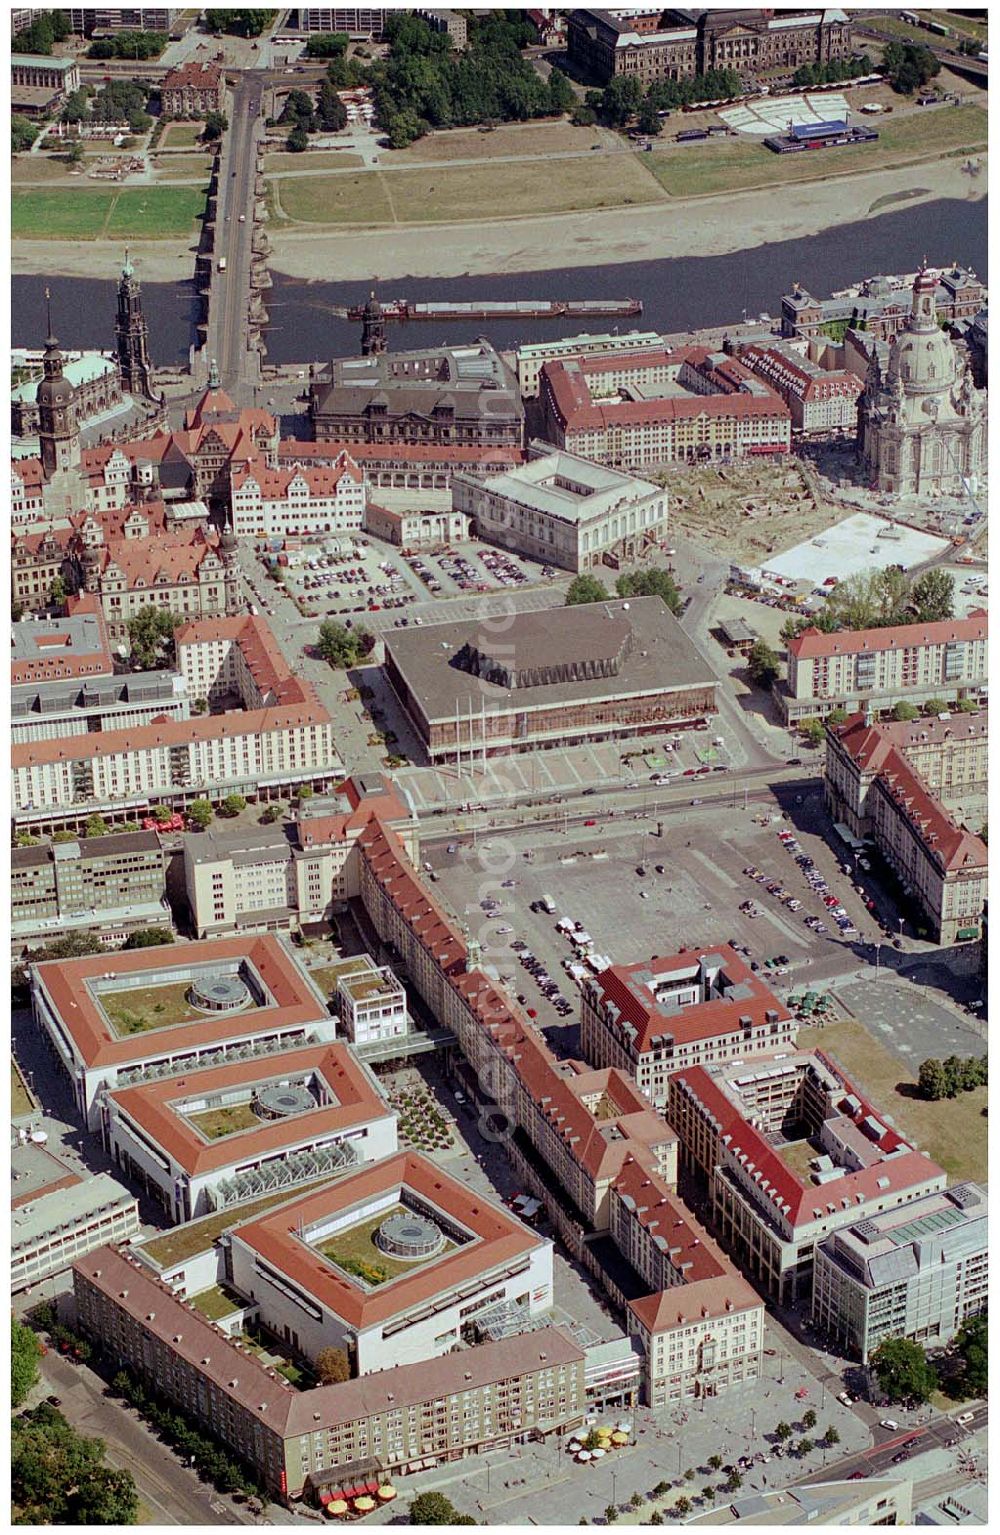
(357, 1253)
(141, 1008)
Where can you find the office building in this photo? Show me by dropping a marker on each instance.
(652, 1018)
(44, 710)
(878, 668)
(321, 1443)
(86, 20)
(893, 783)
(356, 21)
(564, 510)
(856, 1503)
(231, 1133)
(74, 648)
(585, 673)
(154, 1013)
(278, 878)
(370, 1001)
(790, 1152)
(821, 400)
(916, 1272)
(49, 1233)
(111, 886)
(532, 355)
(464, 396)
(392, 1262)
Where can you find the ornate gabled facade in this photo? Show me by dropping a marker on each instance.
(922, 422)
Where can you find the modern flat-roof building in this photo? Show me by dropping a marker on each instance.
(595, 672)
(530, 357)
(323, 1442)
(276, 878)
(230, 1133)
(36, 82)
(356, 21)
(631, 413)
(461, 395)
(654, 1017)
(893, 783)
(391, 1262)
(790, 1153)
(50, 1233)
(564, 510)
(879, 668)
(370, 1000)
(165, 1012)
(111, 886)
(914, 1272)
(87, 19)
(44, 710)
(854, 1504)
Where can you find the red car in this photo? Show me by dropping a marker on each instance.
(590, 823)
(532, 1013)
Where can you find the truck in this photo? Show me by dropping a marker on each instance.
(547, 904)
(222, 263)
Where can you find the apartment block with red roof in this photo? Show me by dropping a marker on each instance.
(894, 782)
(878, 668)
(654, 1017)
(226, 1134)
(790, 1151)
(820, 399)
(297, 500)
(636, 415)
(148, 1014)
(393, 1262)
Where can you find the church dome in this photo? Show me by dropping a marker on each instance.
(56, 392)
(922, 357)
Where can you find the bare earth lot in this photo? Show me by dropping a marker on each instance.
(745, 510)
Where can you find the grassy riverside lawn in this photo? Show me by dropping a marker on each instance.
(465, 193)
(964, 26)
(953, 1131)
(182, 168)
(105, 213)
(315, 159)
(181, 135)
(20, 1103)
(738, 165)
(521, 139)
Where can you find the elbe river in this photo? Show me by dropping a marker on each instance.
(683, 293)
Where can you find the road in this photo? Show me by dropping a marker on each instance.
(229, 305)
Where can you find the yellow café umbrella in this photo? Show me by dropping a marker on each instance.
(604, 1433)
(364, 1505)
(386, 1493)
(338, 1506)
(618, 1437)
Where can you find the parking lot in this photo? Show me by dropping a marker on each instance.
(352, 576)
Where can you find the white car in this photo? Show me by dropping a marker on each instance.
(887, 1423)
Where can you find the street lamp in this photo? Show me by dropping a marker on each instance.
(878, 950)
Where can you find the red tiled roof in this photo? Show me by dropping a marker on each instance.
(193, 73)
(291, 451)
(498, 1239)
(295, 1001)
(569, 394)
(779, 1182)
(812, 642)
(151, 1106)
(322, 480)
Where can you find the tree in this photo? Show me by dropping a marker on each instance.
(95, 826)
(585, 589)
(932, 707)
(715, 1462)
(806, 1447)
(304, 792)
(76, 154)
(332, 1366)
(271, 814)
(331, 110)
(151, 636)
(106, 1496)
(57, 591)
(232, 805)
(763, 664)
(433, 1508)
(238, 23)
(327, 45)
(562, 97)
(149, 938)
(651, 583)
(682, 1507)
(38, 38)
(636, 1500)
(932, 1079)
(199, 814)
(972, 1347)
(908, 66)
(296, 141)
(24, 1355)
(831, 1437)
(734, 1481)
(905, 711)
(216, 124)
(649, 119)
(620, 100)
(809, 1419)
(57, 1475)
(610, 1514)
(836, 716)
(783, 1431)
(813, 732)
(22, 134)
(932, 597)
(903, 1371)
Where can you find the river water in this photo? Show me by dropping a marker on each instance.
(679, 294)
